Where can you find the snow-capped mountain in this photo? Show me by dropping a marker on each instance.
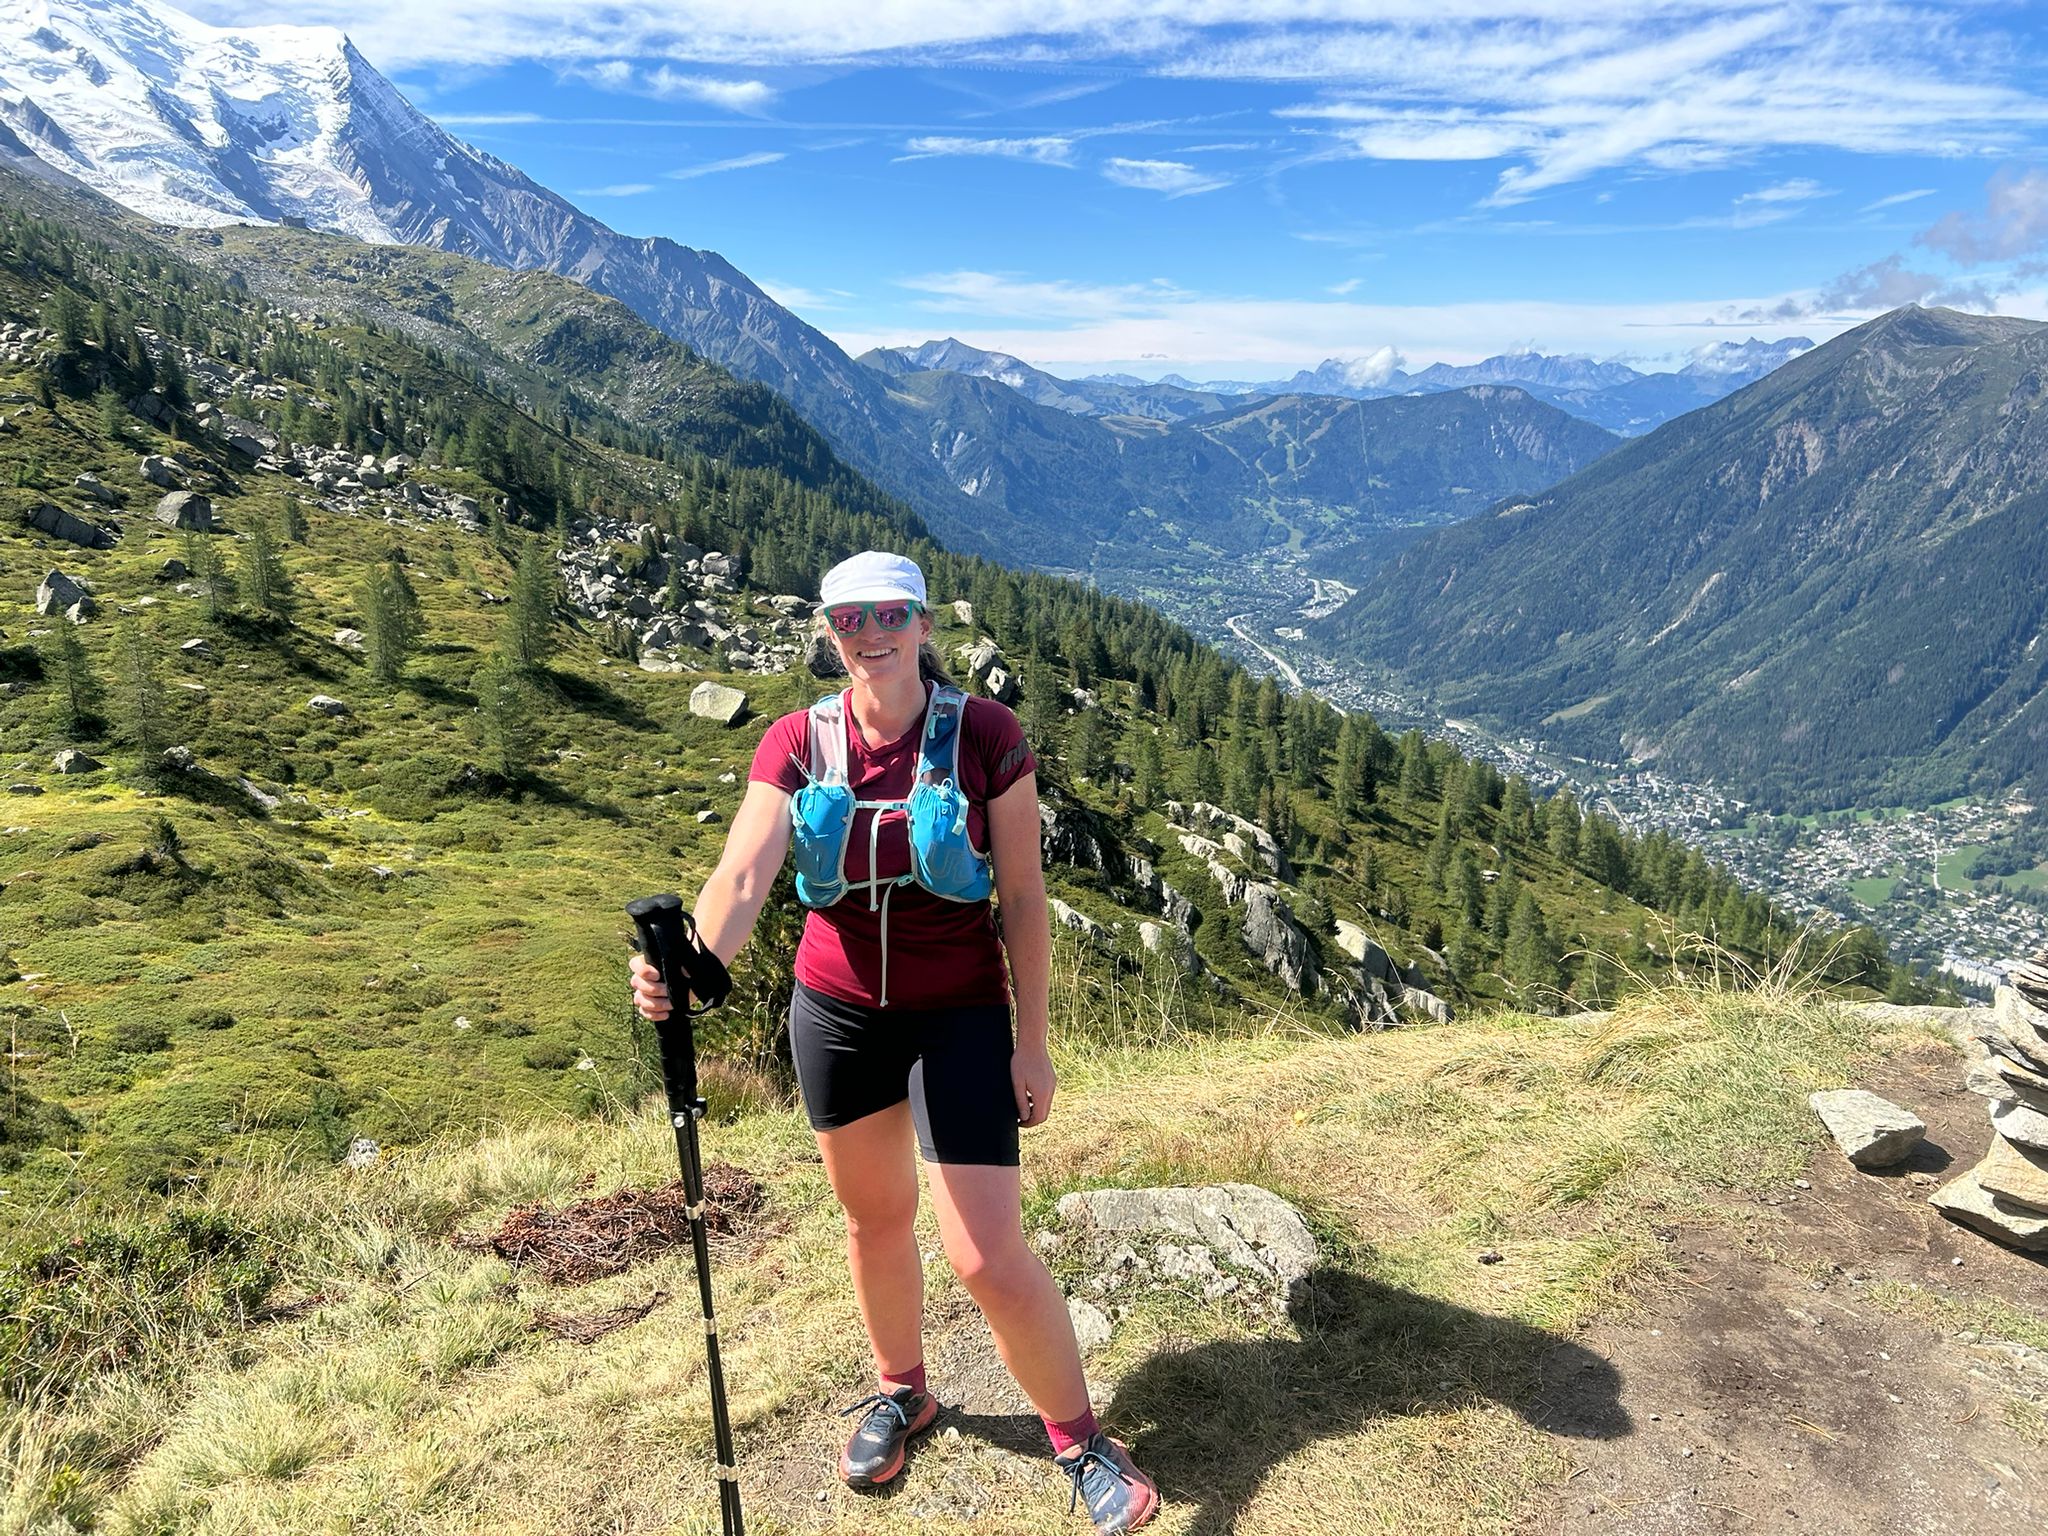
(198, 125)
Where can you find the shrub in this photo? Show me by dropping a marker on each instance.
(99, 1300)
(138, 1036)
(549, 1056)
(210, 1018)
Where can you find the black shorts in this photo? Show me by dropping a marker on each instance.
(953, 1064)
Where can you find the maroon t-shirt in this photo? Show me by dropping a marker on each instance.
(940, 952)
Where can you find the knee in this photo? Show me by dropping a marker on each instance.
(880, 1216)
(996, 1272)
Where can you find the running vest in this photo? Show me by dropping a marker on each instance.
(942, 859)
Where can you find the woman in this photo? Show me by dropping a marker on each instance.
(901, 1024)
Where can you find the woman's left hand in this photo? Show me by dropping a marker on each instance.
(1032, 1079)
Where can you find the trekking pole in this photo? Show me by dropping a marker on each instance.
(697, 981)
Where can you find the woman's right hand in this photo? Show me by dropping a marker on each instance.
(649, 995)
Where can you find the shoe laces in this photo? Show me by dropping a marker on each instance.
(880, 1402)
(1091, 1464)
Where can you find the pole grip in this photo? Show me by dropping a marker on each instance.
(664, 941)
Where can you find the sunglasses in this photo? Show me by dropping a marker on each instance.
(848, 618)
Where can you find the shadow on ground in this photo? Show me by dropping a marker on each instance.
(1213, 1418)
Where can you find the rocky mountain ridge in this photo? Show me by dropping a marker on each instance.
(1813, 588)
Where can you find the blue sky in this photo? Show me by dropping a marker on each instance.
(1238, 191)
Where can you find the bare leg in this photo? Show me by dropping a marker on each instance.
(874, 1174)
(981, 1220)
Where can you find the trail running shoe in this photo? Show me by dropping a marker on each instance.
(1119, 1497)
(875, 1453)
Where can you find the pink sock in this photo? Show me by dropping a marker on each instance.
(912, 1378)
(1068, 1433)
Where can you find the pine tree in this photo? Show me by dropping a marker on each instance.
(210, 571)
(264, 578)
(294, 520)
(1562, 828)
(507, 735)
(76, 700)
(391, 619)
(140, 695)
(1148, 766)
(529, 630)
(1530, 955)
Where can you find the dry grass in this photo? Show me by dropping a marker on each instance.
(415, 1397)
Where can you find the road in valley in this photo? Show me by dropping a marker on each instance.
(1240, 626)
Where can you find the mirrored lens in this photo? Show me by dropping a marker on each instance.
(847, 621)
(892, 615)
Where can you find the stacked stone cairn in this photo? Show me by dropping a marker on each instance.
(2006, 1195)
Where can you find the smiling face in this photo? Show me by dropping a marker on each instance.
(875, 657)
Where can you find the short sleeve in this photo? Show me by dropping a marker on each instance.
(786, 745)
(996, 742)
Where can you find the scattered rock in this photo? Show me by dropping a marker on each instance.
(1000, 685)
(172, 569)
(1080, 923)
(57, 593)
(963, 611)
(45, 517)
(326, 704)
(90, 484)
(715, 701)
(362, 1153)
(71, 760)
(197, 650)
(349, 639)
(160, 472)
(821, 657)
(2015, 1174)
(187, 510)
(1091, 1324)
(1966, 1200)
(1246, 1227)
(179, 759)
(1872, 1132)
(2021, 1123)
(706, 818)
(85, 608)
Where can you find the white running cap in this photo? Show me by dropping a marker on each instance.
(873, 577)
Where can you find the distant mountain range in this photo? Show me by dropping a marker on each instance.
(1828, 587)
(203, 126)
(1610, 395)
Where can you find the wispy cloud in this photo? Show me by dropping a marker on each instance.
(736, 163)
(1173, 177)
(621, 189)
(664, 83)
(486, 119)
(1800, 189)
(1065, 325)
(1897, 198)
(1045, 150)
(748, 96)
(1349, 285)
(796, 296)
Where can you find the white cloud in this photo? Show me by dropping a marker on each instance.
(1799, 189)
(797, 297)
(749, 96)
(485, 119)
(736, 163)
(1340, 289)
(1157, 327)
(1897, 198)
(1560, 90)
(1173, 177)
(621, 189)
(2014, 222)
(1046, 151)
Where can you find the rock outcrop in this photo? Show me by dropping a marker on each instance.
(46, 517)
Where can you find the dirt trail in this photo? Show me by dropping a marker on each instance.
(1768, 1392)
